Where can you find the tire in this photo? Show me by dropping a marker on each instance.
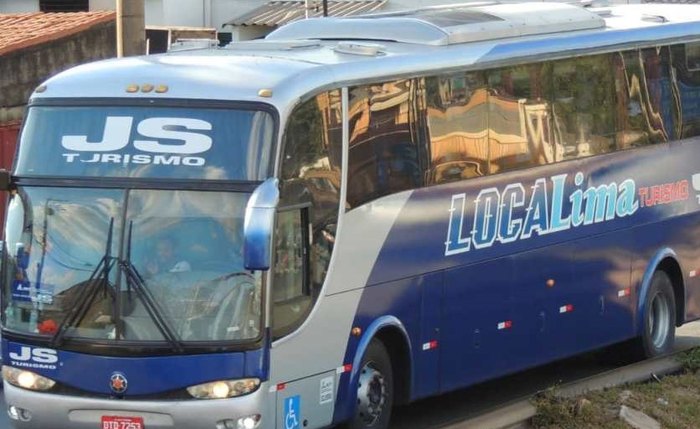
(375, 390)
(659, 318)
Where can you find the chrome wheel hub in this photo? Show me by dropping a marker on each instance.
(659, 320)
(371, 395)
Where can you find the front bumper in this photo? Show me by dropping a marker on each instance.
(72, 412)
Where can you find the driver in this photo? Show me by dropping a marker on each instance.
(166, 260)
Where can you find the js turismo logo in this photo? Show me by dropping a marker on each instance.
(33, 357)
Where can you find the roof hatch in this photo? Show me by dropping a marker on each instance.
(446, 25)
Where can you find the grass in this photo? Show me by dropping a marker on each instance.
(673, 402)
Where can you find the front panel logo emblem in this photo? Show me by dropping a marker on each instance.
(118, 383)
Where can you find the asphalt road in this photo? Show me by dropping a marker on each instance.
(450, 408)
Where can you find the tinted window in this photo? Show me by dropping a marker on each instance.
(164, 142)
(457, 112)
(643, 97)
(686, 66)
(519, 134)
(583, 106)
(385, 135)
(310, 200)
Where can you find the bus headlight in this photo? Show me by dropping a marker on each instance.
(224, 388)
(26, 379)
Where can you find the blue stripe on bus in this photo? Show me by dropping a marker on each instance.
(145, 375)
(492, 311)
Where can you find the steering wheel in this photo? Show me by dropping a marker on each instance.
(229, 322)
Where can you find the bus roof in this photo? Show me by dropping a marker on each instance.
(314, 54)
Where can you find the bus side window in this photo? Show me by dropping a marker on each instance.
(291, 297)
(518, 118)
(583, 106)
(644, 97)
(385, 138)
(457, 113)
(310, 191)
(685, 60)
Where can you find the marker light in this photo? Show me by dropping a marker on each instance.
(224, 388)
(249, 422)
(17, 413)
(26, 379)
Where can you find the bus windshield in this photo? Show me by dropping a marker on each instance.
(146, 142)
(132, 265)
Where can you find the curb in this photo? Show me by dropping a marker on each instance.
(518, 413)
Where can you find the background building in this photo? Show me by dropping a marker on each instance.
(33, 47)
(234, 19)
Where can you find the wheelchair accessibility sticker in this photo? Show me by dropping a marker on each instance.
(291, 412)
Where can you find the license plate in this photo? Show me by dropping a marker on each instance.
(120, 422)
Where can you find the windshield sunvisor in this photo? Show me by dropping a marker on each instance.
(146, 142)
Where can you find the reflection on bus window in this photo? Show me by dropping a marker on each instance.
(291, 299)
(518, 120)
(311, 177)
(583, 106)
(644, 104)
(457, 125)
(686, 72)
(692, 56)
(385, 135)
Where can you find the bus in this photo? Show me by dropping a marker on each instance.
(306, 230)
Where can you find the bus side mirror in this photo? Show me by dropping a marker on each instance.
(258, 225)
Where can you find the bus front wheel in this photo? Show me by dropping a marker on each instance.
(659, 318)
(375, 389)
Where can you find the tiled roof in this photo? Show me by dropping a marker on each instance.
(21, 30)
(276, 13)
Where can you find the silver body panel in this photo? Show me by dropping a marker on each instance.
(52, 411)
(318, 347)
(293, 73)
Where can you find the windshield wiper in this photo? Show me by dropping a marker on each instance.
(134, 279)
(99, 280)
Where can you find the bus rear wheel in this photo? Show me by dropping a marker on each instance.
(659, 318)
(375, 389)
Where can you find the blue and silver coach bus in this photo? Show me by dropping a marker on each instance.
(353, 213)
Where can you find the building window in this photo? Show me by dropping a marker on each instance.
(64, 5)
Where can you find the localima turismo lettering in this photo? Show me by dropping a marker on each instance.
(495, 220)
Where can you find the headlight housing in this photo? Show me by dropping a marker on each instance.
(224, 388)
(26, 379)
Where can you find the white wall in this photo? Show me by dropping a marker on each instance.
(19, 6)
(154, 14)
(188, 13)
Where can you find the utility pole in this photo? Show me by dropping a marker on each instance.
(131, 28)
